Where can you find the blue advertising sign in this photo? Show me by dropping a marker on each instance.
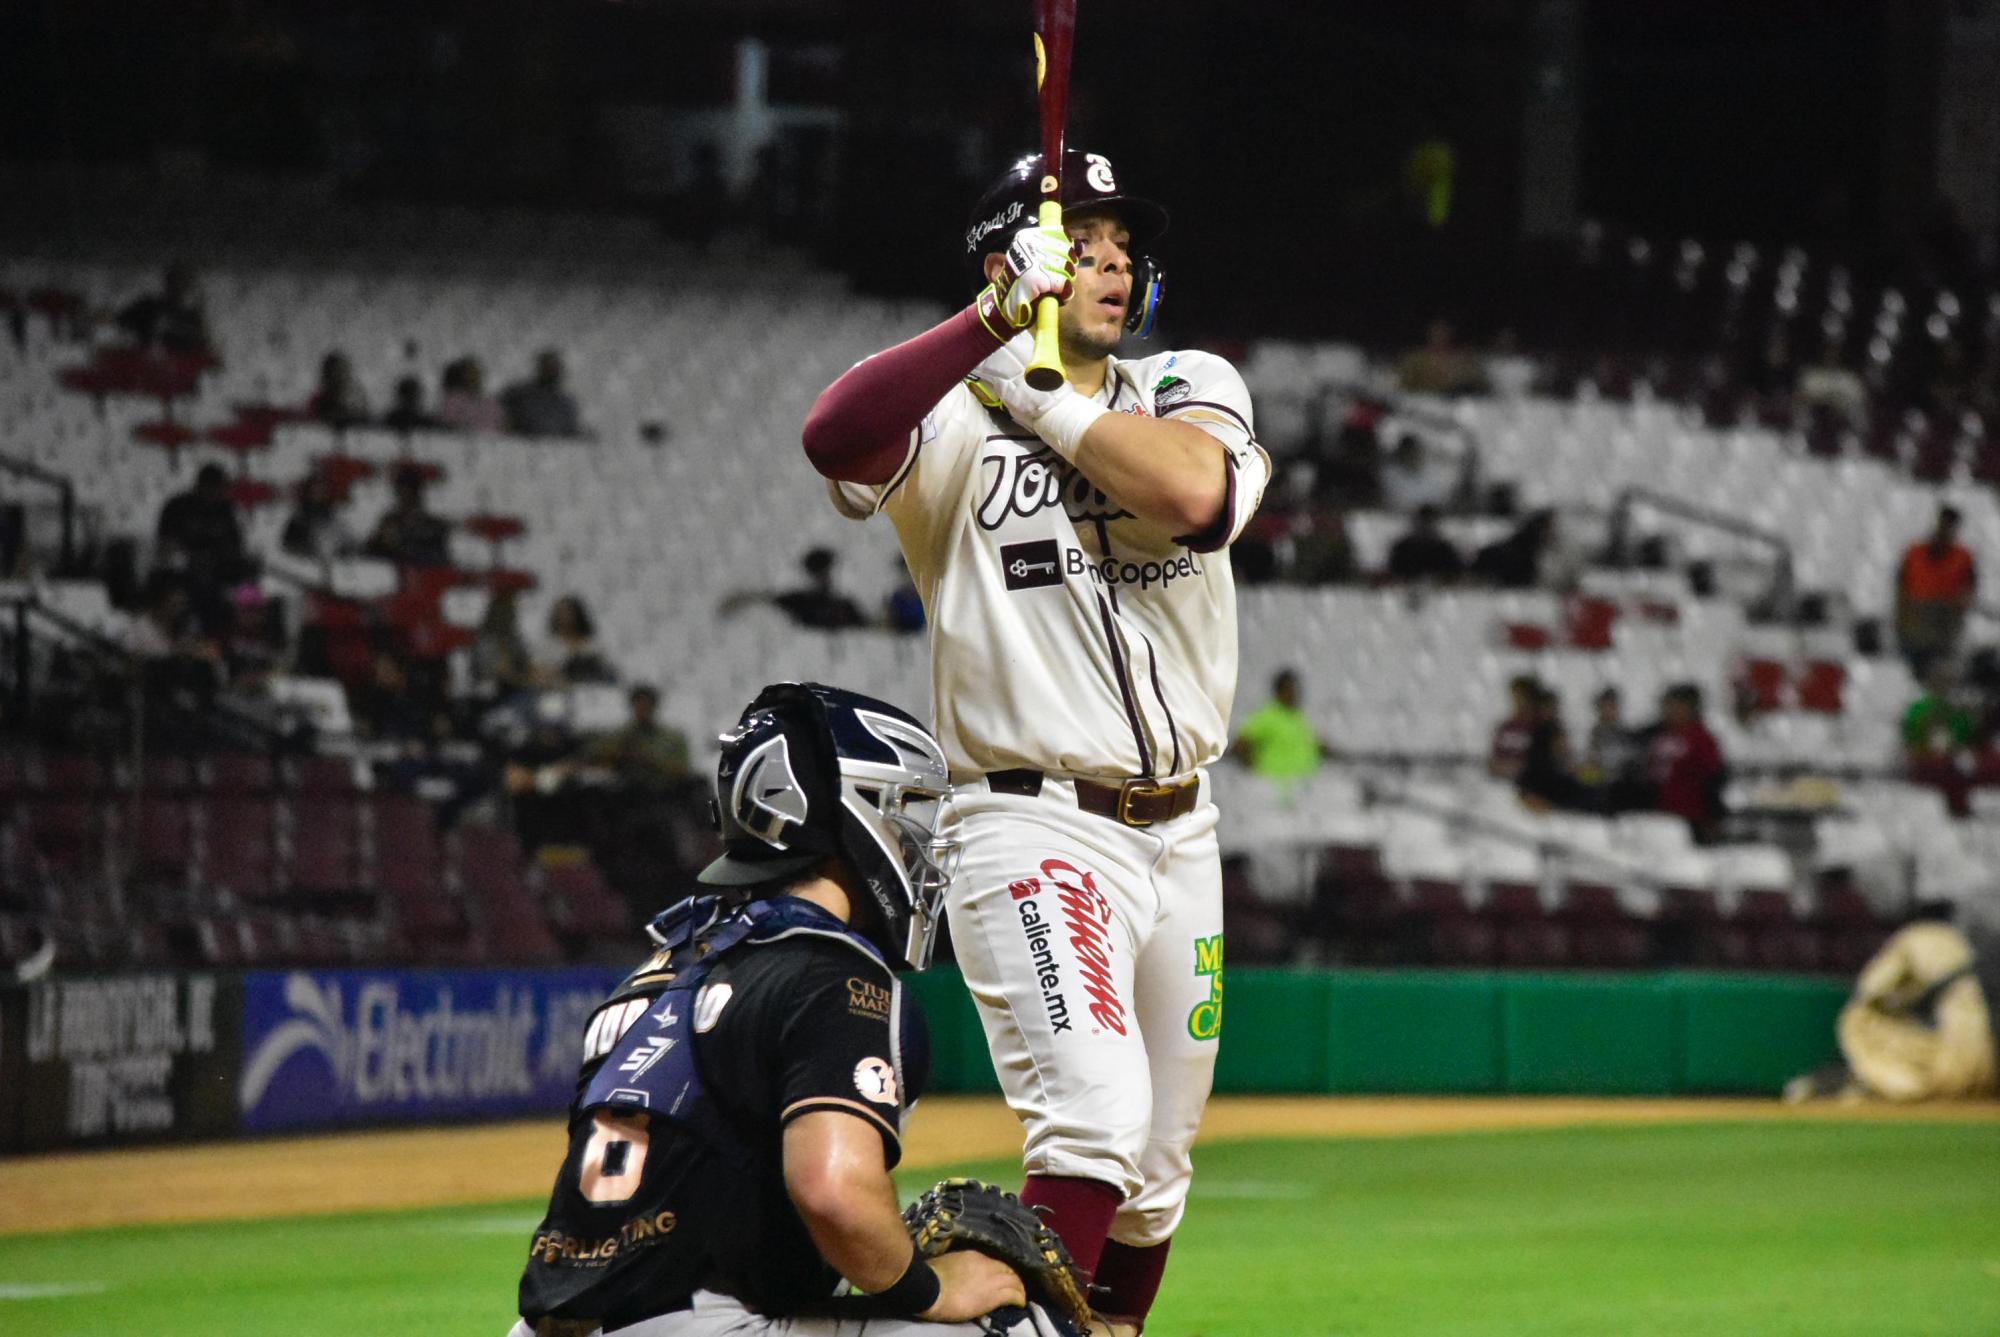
(329, 1047)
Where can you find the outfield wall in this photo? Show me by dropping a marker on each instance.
(1447, 1032)
(104, 1060)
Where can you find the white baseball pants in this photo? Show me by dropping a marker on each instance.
(1094, 952)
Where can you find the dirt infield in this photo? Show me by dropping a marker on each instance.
(496, 1162)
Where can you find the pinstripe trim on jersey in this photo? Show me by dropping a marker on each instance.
(1186, 404)
(1173, 729)
(811, 1103)
(1125, 686)
(909, 464)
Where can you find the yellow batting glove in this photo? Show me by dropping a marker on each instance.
(1041, 262)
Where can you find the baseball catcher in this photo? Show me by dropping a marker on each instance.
(744, 1091)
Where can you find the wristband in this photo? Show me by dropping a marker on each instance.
(1065, 421)
(913, 1292)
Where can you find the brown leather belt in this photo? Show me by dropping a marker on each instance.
(1138, 802)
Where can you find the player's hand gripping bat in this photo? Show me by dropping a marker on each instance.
(1055, 26)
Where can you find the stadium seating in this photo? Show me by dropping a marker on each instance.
(694, 377)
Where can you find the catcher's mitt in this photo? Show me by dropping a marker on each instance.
(967, 1214)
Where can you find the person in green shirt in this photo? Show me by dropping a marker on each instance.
(1278, 742)
(1936, 724)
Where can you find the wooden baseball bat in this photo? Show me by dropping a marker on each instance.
(1055, 26)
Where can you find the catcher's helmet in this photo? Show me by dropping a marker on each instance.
(1088, 181)
(811, 771)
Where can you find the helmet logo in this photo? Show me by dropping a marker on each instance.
(1098, 173)
(767, 793)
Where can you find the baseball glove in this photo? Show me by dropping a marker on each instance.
(967, 1214)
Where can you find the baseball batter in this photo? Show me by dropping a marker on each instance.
(1071, 547)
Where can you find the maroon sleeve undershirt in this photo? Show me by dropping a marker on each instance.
(859, 428)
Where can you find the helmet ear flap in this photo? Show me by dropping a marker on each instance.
(1149, 285)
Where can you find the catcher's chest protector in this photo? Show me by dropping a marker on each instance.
(700, 1180)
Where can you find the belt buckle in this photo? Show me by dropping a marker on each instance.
(1132, 789)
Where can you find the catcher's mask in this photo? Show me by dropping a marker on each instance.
(1088, 182)
(811, 771)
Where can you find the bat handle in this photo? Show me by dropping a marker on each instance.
(1045, 371)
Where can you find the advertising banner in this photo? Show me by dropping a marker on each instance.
(324, 1048)
(104, 1059)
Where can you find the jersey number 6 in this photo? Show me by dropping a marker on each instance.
(614, 1158)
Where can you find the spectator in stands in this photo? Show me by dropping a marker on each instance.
(1424, 553)
(1685, 763)
(903, 607)
(1613, 756)
(1278, 741)
(1322, 551)
(199, 538)
(339, 401)
(171, 320)
(1935, 586)
(1939, 730)
(570, 656)
(501, 664)
(541, 406)
(315, 530)
(1513, 736)
(643, 754)
(1828, 387)
(1547, 778)
(179, 663)
(1413, 477)
(1937, 724)
(816, 604)
(1515, 562)
(389, 706)
(1441, 367)
(408, 413)
(465, 405)
(408, 533)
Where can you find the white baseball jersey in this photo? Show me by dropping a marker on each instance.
(1067, 634)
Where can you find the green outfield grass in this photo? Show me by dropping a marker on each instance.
(1818, 1230)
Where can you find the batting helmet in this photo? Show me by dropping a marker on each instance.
(1088, 181)
(811, 771)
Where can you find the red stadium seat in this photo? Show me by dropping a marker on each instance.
(1588, 621)
(239, 773)
(325, 846)
(240, 848)
(1820, 686)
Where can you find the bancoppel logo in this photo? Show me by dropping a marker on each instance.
(1144, 575)
(1032, 565)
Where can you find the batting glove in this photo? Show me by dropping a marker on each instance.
(1041, 262)
(1060, 416)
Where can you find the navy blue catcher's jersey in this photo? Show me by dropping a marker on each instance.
(745, 1019)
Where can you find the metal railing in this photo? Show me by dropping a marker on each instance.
(30, 472)
(1783, 576)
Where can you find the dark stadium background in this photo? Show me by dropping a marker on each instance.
(1276, 131)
